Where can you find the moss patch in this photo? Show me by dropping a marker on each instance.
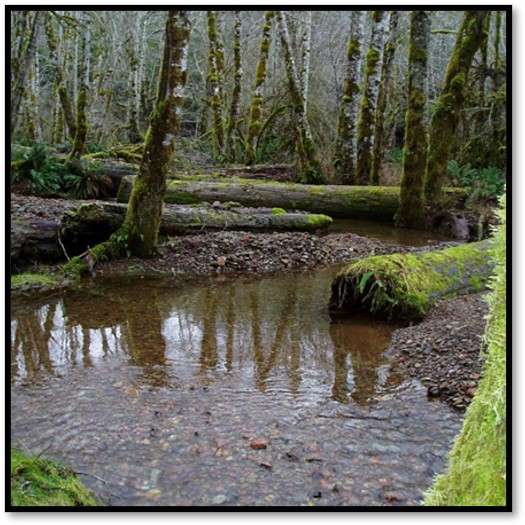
(37, 482)
(408, 285)
(36, 282)
(478, 469)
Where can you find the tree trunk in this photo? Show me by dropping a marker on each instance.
(382, 99)
(411, 213)
(366, 123)
(446, 115)
(307, 51)
(56, 59)
(82, 124)
(333, 200)
(255, 124)
(409, 285)
(345, 146)
(25, 61)
(231, 129)
(145, 208)
(216, 78)
(308, 164)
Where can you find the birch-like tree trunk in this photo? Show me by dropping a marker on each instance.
(82, 124)
(57, 60)
(231, 128)
(307, 51)
(411, 210)
(25, 61)
(382, 98)
(446, 115)
(255, 123)
(141, 226)
(345, 146)
(309, 167)
(216, 78)
(366, 123)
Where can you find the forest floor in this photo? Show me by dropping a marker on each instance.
(443, 351)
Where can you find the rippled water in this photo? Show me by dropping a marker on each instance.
(155, 393)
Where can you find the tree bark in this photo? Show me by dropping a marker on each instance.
(25, 62)
(345, 146)
(411, 213)
(333, 200)
(145, 208)
(409, 285)
(366, 123)
(256, 123)
(308, 164)
(231, 128)
(446, 115)
(382, 99)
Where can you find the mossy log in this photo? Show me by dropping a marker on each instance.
(365, 202)
(94, 222)
(408, 285)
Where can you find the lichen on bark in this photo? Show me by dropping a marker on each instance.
(447, 110)
(366, 122)
(411, 210)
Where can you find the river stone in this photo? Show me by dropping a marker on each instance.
(219, 499)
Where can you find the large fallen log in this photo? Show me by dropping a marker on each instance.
(408, 285)
(365, 202)
(93, 222)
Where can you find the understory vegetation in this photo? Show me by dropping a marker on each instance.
(477, 475)
(39, 482)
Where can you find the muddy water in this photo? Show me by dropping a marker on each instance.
(386, 232)
(156, 393)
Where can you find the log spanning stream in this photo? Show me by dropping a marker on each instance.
(232, 392)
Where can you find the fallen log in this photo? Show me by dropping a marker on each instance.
(408, 285)
(366, 202)
(93, 222)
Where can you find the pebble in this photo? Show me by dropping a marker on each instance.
(219, 499)
(259, 443)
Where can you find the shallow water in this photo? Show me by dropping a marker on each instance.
(155, 393)
(386, 232)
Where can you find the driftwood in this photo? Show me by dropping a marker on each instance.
(366, 202)
(408, 285)
(93, 222)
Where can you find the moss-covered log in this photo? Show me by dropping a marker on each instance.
(94, 222)
(375, 203)
(408, 285)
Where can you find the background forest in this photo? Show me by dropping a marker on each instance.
(99, 71)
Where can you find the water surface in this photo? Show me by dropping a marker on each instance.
(155, 393)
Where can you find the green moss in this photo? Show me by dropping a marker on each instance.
(408, 285)
(318, 221)
(477, 474)
(37, 482)
(181, 197)
(34, 281)
(278, 211)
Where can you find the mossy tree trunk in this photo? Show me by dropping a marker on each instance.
(231, 128)
(345, 146)
(411, 210)
(141, 226)
(255, 123)
(382, 99)
(25, 61)
(366, 123)
(309, 167)
(447, 111)
(82, 124)
(307, 52)
(55, 48)
(136, 58)
(216, 79)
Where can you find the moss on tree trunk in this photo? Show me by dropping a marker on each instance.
(447, 110)
(411, 211)
(408, 285)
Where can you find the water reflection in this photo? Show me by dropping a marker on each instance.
(272, 334)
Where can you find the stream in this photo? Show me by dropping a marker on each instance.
(235, 391)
